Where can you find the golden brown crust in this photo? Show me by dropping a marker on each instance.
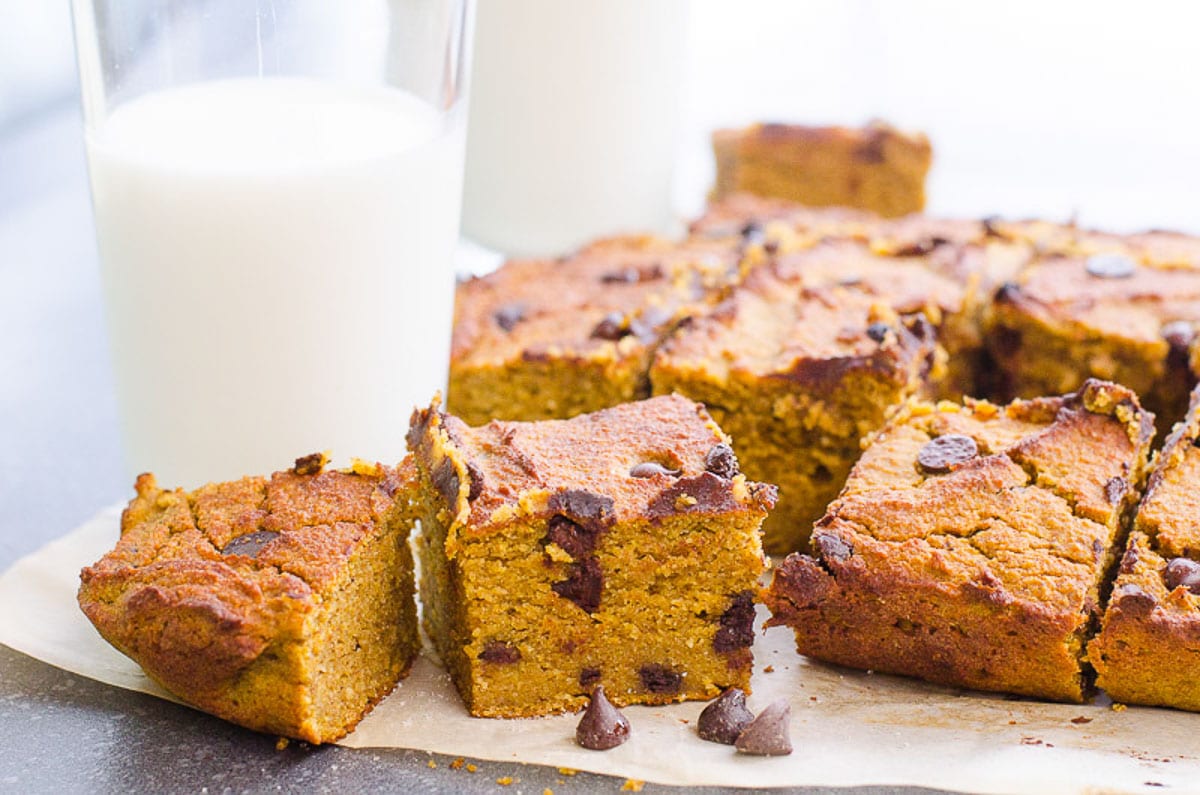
(875, 168)
(988, 575)
(1150, 642)
(203, 586)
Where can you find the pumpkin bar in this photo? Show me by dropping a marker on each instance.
(801, 361)
(1149, 649)
(1099, 306)
(617, 549)
(875, 168)
(282, 603)
(549, 339)
(971, 543)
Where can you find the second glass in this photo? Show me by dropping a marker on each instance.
(277, 192)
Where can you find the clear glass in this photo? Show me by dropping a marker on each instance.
(576, 122)
(277, 188)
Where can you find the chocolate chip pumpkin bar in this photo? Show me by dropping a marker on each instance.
(971, 543)
(619, 548)
(1105, 307)
(283, 604)
(1149, 649)
(549, 339)
(876, 168)
(800, 362)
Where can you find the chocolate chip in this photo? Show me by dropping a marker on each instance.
(737, 625)
(593, 511)
(508, 316)
(575, 539)
(1178, 334)
(946, 453)
(725, 718)
(878, 331)
(589, 676)
(770, 733)
(1132, 598)
(1115, 489)
(476, 485)
(445, 480)
(498, 651)
(602, 725)
(250, 544)
(1110, 266)
(660, 679)
(648, 469)
(1183, 573)
(583, 585)
(831, 547)
(309, 464)
(721, 461)
(611, 327)
(705, 492)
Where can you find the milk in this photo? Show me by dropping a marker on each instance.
(574, 121)
(277, 259)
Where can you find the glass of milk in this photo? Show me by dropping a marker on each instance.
(277, 188)
(573, 133)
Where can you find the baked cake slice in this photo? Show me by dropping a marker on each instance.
(282, 603)
(1149, 649)
(804, 359)
(549, 339)
(619, 548)
(971, 543)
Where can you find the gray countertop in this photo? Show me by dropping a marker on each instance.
(60, 462)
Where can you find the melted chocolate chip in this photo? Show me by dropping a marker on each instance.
(648, 469)
(633, 275)
(1129, 560)
(725, 718)
(250, 544)
(831, 547)
(498, 651)
(705, 492)
(445, 480)
(309, 464)
(752, 232)
(1133, 599)
(660, 679)
(921, 247)
(646, 324)
(946, 453)
(878, 331)
(611, 327)
(589, 676)
(476, 486)
(1115, 489)
(583, 585)
(1110, 266)
(593, 511)
(1183, 573)
(770, 733)
(721, 461)
(602, 725)
(737, 625)
(575, 539)
(508, 316)
(1178, 334)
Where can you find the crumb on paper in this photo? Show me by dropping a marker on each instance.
(281, 744)
(547, 791)
(1081, 720)
(457, 764)
(684, 721)
(471, 768)
(432, 765)
(504, 781)
(632, 785)
(1031, 741)
(1012, 723)
(1116, 707)
(770, 669)
(567, 771)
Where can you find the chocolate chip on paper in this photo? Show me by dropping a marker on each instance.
(723, 720)
(770, 733)
(602, 726)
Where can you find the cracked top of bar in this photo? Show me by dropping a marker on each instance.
(1027, 507)
(614, 295)
(646, 460)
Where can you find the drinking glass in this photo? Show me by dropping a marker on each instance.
(277, 190)
(576, 121)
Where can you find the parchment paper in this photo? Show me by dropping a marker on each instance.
(848, 727)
